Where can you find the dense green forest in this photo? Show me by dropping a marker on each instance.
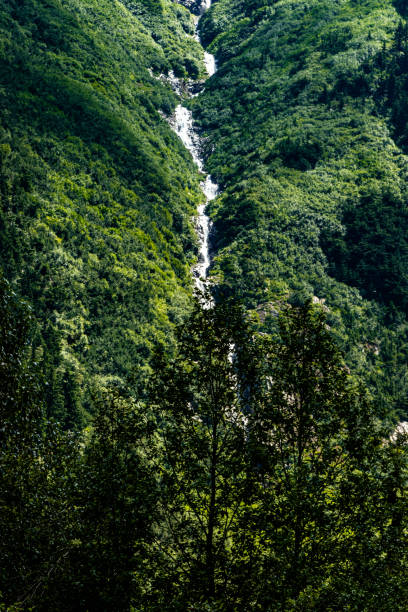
(305, 125)
(227, 451)
(97, 193)
(258, 481)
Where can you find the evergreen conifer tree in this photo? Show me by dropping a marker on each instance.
(200, 397)
(320, 461)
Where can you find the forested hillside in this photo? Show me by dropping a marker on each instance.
(240, 449)
(97, 193)
(305, 128)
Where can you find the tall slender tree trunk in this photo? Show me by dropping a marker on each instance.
(210, 564)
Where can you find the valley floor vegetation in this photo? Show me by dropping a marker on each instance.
(256, 476)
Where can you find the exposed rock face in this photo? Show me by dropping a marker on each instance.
(196, 87)
(194, 6)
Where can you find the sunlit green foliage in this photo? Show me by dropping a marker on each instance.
(314, 187)
(253, 471)
(97, 193)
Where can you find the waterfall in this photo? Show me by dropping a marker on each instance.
(182, 123)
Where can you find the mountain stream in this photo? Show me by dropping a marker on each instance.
(182, 123)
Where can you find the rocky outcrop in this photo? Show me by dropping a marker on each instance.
(194, 6)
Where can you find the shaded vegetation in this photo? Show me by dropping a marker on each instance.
(257, 476)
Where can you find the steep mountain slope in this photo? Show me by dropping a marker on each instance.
(97, 193)
(314, 187)
(303, 126)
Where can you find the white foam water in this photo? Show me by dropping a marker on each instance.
(182, 123)
(183, 126)
(210, 63)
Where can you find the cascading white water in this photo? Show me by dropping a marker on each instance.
(210, 63)
(209, 60)
(183, 126)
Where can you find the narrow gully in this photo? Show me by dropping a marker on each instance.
(183, 125)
